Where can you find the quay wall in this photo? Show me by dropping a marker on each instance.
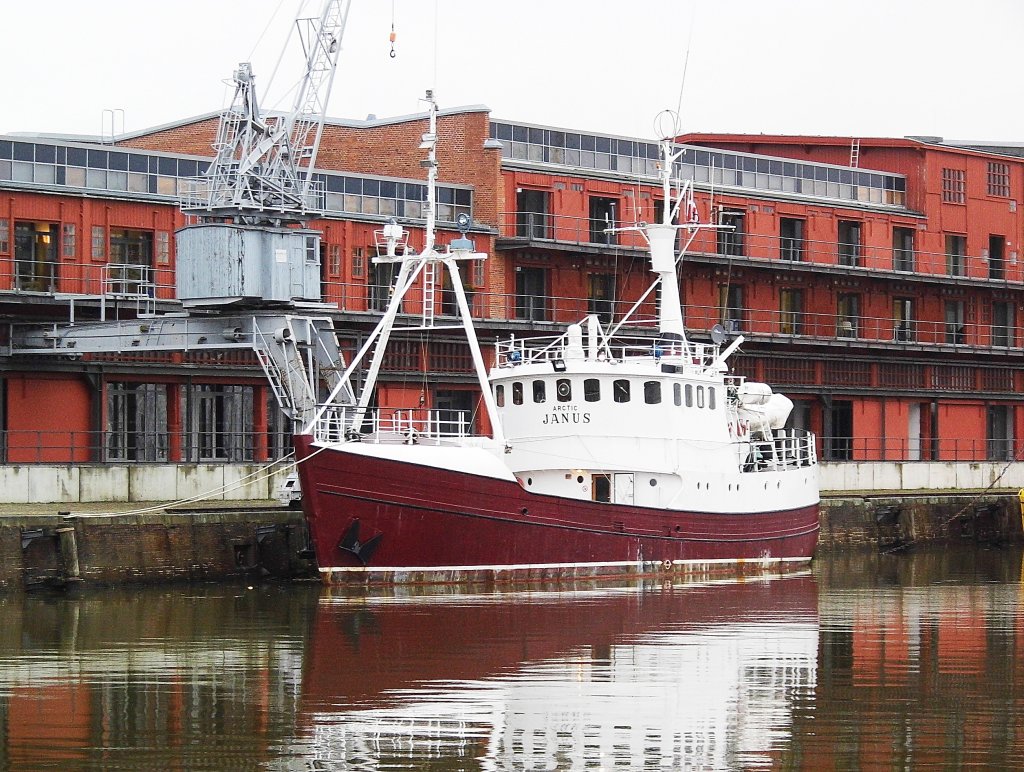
(62, 549)
(84, 483)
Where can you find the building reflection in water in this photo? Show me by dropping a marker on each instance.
(922, 663)
(872, 661)
(187, 678)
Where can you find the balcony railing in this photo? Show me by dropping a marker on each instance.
(111, 280)
(783, 250)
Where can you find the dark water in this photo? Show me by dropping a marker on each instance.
(897, 662)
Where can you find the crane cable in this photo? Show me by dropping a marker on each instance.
(392, 36)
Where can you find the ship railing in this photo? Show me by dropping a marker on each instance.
(787, 449)
(338, 423)
(516, 351)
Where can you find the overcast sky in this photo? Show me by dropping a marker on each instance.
(836, 67)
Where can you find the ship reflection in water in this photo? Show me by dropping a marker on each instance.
(636, 675)
(873, 661)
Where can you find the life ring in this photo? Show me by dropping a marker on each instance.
(667, 565)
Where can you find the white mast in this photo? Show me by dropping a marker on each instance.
(413, 266)
(661, 238)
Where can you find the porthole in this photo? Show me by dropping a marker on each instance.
(579, 478)
(529, 481)
(653, 482)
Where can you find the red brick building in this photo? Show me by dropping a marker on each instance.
(877, 282)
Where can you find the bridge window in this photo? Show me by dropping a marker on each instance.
(689, 395)
(677, 394)
(499, 395)
(539, 392)
(592, 390)
(700, 396)
(517, 393)
(652, 392)
(563, 390)
(620, 390)
(711, 397)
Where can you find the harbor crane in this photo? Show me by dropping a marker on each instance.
(248, 273)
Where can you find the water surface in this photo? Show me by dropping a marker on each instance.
(867, 661)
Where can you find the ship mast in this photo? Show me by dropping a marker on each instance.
(661, 237)
(412, 266)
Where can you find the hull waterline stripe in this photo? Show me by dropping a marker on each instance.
(548, 566)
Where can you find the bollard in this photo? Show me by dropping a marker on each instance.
(69, 553)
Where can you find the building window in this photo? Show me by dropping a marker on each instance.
(838, 440)
(730, 303)
(279, 429)
(601, 296)
(998, 179)
(849, 242)
(533, 214)
(131, 247)
(531, 293)
(953, 186)
(334, 259)
(847, 315)
(357, 263)
(99, 242)
(903, 319)
(602, 217)
(996, 257)
(35, 256)
(163, 248)
(791, 238)
(730, 236)
(903, 249)
(791, 307)
(1003, 321)
(5, 237)
(382, 281)
(955, 332)
(136, 422)
(999, 431)
(220, 423)
(69, 245)
(956, 251)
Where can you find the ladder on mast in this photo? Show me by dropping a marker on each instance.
(854, 152)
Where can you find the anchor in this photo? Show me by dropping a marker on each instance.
(363, 550)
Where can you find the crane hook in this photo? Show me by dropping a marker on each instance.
(392, 39)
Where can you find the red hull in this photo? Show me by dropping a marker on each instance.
(375, 519)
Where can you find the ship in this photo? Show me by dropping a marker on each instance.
(610, 450)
